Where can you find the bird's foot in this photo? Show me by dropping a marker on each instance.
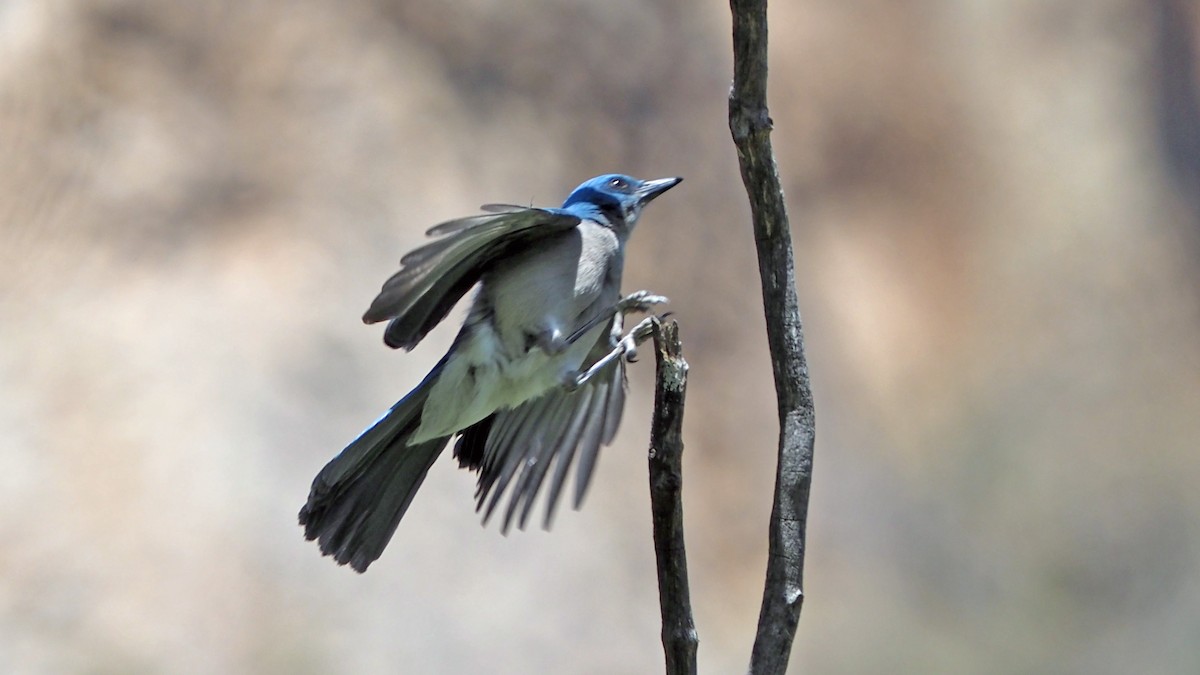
(640, 301)
(637, 301)
(640, 334)
(626, 348)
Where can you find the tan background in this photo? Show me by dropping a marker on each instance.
(997, 229)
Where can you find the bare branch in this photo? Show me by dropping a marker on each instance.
(666, 485)
(750, 125)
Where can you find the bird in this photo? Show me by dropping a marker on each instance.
(534, 377)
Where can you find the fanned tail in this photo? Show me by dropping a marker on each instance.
(358, 499)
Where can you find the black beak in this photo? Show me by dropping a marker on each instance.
(653, 188)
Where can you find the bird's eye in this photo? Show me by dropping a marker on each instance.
(618, 183)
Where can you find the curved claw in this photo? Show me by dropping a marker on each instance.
(640, 301)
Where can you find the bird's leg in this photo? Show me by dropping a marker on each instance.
(637, 301)
(626, 347)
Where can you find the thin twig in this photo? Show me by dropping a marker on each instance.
(750, 125)
(679, 636)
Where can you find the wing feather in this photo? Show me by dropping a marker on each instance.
(526, 441)
(542, 451)
(579, 423)
(554, 428)
(590, 441)
(564, 417)
(434, 277)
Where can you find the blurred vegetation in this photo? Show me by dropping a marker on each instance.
(997, 229)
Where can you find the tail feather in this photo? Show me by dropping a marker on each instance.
(358, 499)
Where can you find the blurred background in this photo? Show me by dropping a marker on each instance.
(997, 223)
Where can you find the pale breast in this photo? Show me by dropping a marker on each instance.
(556, 286)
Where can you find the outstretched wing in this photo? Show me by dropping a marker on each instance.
(516, 447)
(434, 277)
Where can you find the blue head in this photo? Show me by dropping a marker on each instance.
(614, 199)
